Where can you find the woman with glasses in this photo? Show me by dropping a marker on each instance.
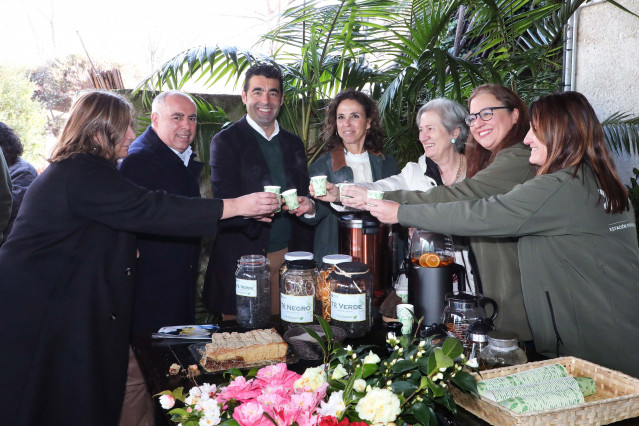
(497, 161)
(577, 234)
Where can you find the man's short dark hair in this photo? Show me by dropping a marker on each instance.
(10, 143)
(265, 70)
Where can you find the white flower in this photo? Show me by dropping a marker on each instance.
(195, 391)
(359, 385)
(349, 348)
(371, 358)
(473, 363)
(211, 412)
(311, 379)
(167, 401)
(339, 372)
(379, 406)
(334, 406)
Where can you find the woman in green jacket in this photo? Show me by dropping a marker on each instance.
(578, 249)
(497, 161)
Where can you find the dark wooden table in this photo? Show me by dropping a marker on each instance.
(157, 355)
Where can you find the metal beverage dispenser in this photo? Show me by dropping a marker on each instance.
(366, 240)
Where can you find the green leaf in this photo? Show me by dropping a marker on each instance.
(452, 347)
(443, 361)
(403, 387)
(465, 382)
(403, 366)
(326, 327)
(317, 337)
(424, 414)
(369, 369)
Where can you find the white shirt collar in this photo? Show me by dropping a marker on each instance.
(261, 131)
(184, 156)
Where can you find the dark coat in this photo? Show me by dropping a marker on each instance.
(167, 268)
(238, 167)
(22, 174)
(326, 220)
(67, 276)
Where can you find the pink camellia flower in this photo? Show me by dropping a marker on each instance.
(305, 401)
(320, 392)
(272, 372)
(268, 400)
(239, 389)
(307, 419)
(281, 390)
(251, 414)
(167, 401)
(276, 375)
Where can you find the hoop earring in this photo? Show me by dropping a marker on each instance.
(452, 140)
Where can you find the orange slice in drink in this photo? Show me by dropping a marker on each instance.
(430, 260)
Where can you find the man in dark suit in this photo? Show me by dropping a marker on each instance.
(254, 152)
(162, 159)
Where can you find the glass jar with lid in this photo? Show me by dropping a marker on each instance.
(323, 292)
(294, 255)
(502, 350)
(298, 304)
(351, 287)
(253, 291)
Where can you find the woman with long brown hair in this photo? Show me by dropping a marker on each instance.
(354, 140)
(578, 249)
(497, 161)
(67, 270)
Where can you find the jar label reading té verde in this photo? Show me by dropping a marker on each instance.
(246, 288)
(296, 308)
(348, 307)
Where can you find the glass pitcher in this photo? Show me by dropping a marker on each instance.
(463, 308)
(432, 250)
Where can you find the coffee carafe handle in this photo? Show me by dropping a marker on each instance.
(488, 301)
(460, 273)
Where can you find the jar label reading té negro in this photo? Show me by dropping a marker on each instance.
(348, 307)
(296, 308)
(246, 288)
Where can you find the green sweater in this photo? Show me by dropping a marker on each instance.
(579, 265)
(496, 258)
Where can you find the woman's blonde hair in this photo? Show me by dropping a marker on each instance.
(98, 120)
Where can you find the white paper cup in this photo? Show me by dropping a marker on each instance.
(375, 194)
(405, 316)
(275, 190)
(319, 185)
(290, 197)
(343, 185)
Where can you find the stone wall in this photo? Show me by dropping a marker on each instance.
(607, 64)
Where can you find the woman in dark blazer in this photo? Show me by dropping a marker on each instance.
(354, 140)
(67, 269)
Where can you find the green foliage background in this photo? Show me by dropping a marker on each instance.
(19, 111)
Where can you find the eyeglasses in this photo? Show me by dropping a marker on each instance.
(485, 114)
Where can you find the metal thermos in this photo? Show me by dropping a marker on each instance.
(427, 288)
(366, 240)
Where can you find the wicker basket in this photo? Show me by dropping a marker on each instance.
(617, 398)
